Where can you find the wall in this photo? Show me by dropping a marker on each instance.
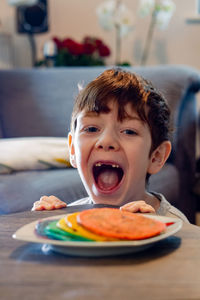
(179, 44)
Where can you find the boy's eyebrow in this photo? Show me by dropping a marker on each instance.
(90, 114)
(132, 118)
(125, 118)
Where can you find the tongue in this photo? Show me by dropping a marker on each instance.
(107, 179)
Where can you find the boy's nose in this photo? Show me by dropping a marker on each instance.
(108, 142)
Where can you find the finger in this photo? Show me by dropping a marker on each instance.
(138, 206)
(43, 204)
(37, 206)
(147, 209)
(54, 198)
(57, 200)
(47, 199)
(47, 204)
(60, 205)
(133, 206)
(48, 207)
(43, 198)
(133, 203)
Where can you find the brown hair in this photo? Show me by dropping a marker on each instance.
(126, 87)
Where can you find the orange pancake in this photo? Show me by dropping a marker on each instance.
(113, 222)
(71, 222)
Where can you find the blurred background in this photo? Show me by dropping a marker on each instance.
(27, 29)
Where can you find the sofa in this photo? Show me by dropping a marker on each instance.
(38, 103)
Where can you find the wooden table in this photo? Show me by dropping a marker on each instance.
(168, 270)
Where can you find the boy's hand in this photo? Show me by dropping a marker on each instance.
(48, 203)
(138, 206)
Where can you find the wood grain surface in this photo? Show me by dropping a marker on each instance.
(168, 270)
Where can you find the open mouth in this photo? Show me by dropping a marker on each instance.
(107, 176)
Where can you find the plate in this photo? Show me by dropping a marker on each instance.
(28, 233)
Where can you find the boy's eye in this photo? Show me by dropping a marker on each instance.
(129, 131)
(91, 129)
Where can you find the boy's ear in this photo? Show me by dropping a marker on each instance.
(71, 150)
(159, 157)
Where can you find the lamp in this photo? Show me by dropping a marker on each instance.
(32, 18)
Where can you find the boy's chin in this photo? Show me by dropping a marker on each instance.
(107, 200)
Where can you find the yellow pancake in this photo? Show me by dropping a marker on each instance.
(62, 225)
(72, 223)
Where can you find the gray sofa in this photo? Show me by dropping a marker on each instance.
(38, 102)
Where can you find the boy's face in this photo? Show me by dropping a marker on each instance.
(112, 156)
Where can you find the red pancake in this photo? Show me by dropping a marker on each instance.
(112, 222)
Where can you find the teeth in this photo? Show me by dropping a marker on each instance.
(99, 165)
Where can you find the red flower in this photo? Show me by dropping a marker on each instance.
(89, 48)
(87, 39)
(98, 42)
(73, 47)
(90, 52)
(58, 43)
(89, 45)
(103, 50)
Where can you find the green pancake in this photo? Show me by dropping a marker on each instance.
(53, 231)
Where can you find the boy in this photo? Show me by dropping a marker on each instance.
(119, 136)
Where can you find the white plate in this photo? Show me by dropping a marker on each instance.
(27, 233)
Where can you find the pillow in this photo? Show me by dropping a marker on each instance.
(33, 153)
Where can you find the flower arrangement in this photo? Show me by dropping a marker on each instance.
(115, 15)
(90, 51)
(161, 12)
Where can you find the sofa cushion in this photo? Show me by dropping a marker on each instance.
(166, 182)
(33, 153)
(19, 190)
